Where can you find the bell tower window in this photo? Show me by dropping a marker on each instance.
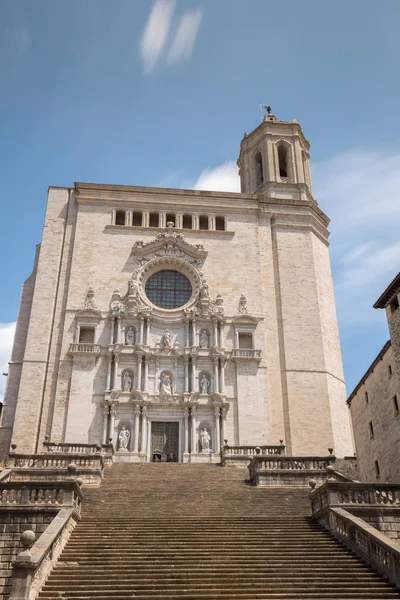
(187, 222)
(259, 173)
(120, 217)
(282, 157)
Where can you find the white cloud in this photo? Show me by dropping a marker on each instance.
(156, 32)
(7, 331)
(223, 178)
(182, 46)
(360, 193)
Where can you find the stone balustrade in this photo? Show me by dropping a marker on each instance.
(88, 349)
(105, 450)
(22, 494)
(288, 470)
(242, 454)
(354, 495)
(245, 354)
(55, 461)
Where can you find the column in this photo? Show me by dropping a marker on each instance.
(146, 218)
(116, 362)
(195, 221)
(216, 374)
(112, 330)
(186, 359)
(186, 432)
(144, 428)
(156, 390)
(113, 412)
(187, 333)
(147, 331)
(163, 219)
(118, 330)
(146, 372)
(178, 224)
(141, 330)
(106, 410)
(215, 324)
(221, 334)
(193, 383)
(217, 437)
(222, 376)
(136, 430)
(194, 427)
(175, 381)
(109, 373)
(128, 217)
(223, 413)
(194, 333)
(139, 372)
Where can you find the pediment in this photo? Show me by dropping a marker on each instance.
(170, 243)
(88, 313)
(244, 319)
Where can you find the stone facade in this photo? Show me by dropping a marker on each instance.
(252, 355)
(375, 402)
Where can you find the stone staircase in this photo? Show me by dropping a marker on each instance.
(199, 532)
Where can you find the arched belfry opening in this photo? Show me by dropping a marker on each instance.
(283, 162)
(258, 169)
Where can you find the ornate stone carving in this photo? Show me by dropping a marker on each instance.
(165, 383)
(204, 384)
(123, 439)
(130, 336)
(89, 300)
(205, 441)
(166, 340)
(127, 381)
(204, 339)
(243, 305)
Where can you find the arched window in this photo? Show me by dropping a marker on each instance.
(258, 167)
(283, 162)
(120, 217)
(220, 223)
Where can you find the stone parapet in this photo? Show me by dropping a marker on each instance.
(54, 467)
(40, 494)
(240, 455)
(288, 470)
(106, 451)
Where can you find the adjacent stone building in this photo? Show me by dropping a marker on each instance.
(375, 401)
(170, 320)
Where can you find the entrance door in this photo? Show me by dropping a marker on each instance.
(164, 442)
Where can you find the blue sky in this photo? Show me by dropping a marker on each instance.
(160, 93)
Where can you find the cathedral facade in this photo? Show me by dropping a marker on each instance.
(169, 320)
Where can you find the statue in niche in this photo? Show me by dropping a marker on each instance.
(132, 287)
(204, 293)
(130, 336)
(127, 382)
(205, 440)
(204, 384)
(123, 438)
(243, 305)
(166, 339)
(165, 384)
(204, 339)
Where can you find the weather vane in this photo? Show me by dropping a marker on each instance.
(267, 108)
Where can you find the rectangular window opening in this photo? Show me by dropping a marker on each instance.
(394, 305)
(377, 470)
(120, 217)
(187, 222)
(203, 222)
(86, 335)
(137, 219)
(366, 398)
(246, 341)
(390, 371)
(154, 220)
(171, 218)
(220, 223)
(371, 430)
(395, 405)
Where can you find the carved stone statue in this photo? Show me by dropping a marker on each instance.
(165, 384)
(243, 305)
(204, 293)
(204, 339)
(130, 336)
(166, 339)
(205, 440)
(127, 382)
(123, 438)
(204, 384)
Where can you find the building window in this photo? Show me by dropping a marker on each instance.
(371, 430)
(259, 172)
(366, 398)
(282, 157)
(220, 223)
(203, 222)
(390, 371)
(245, 340)
(86, 335)
(168, 289)
(154, 220)
(394, 305)
(120, 217)
(377, 470)
(171, 218)
(187, 222)
(137, 219)
(395, 405)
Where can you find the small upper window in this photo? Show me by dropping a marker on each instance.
(371, 430)
(154, 220)
(282, 156)
(394, 305)
(187, 222)
(366, 398)
(220, 223)
(259, 169)
(171, 218)
(245, 340)
(137, 219)
(377, 470)
(120, 217)
(396, 405)
(390, 371)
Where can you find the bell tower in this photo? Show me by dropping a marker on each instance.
(276, 152)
